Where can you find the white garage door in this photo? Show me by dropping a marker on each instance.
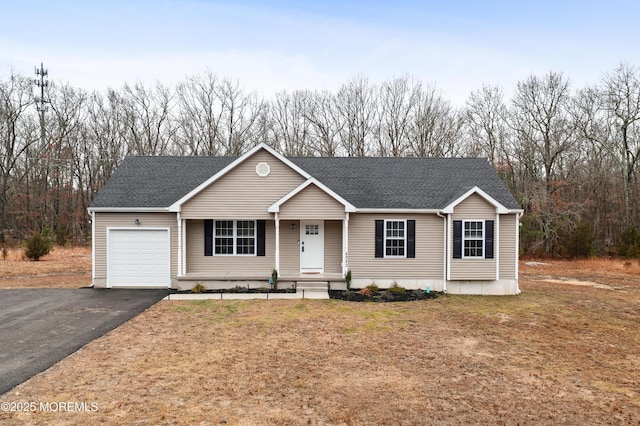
(139, 258)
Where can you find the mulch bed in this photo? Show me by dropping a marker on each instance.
(363, 295)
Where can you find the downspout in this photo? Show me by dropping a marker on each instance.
(93, 247)
(518, 216)
(445, 260)
(277, 223)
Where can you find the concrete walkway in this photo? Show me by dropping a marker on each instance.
(249, 296)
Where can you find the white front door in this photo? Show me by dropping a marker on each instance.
(312, 246)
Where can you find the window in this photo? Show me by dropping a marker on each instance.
(473, 239)
(235, 237)
(394, 238)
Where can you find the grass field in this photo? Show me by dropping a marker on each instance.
(565, 351)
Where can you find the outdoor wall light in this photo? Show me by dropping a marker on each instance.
(292, 226)
(137, 221)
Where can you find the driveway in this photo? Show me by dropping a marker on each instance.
(39, 327)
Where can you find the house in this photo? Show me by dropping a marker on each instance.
(449, 224)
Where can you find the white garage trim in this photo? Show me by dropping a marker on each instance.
(149, 268)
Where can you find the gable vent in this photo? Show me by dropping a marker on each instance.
(263, 169)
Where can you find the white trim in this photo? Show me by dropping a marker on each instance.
(384, 239)
(475, 190)
(398, 211)
(275, 207)
(235, 238)
(128, 209)
(93, 247)
(277, 260)
(445, 245)
(136, 228)
(496, 244)
(345, 244)
(184, 246)
(517, 250)
(179, 245)
(449, 243)
(484, 231)
(178, 204)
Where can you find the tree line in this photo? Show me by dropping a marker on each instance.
(569, 155)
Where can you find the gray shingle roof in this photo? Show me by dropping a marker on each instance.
(412, 183)
(366, 182)
(156, 182)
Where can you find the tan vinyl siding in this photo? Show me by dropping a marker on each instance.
(508, 249)
(227, 265)
(473, 208)
(333, 246)
(312, 203)
(241, 193)
(428, 263)
(127, 220)
(289, 247)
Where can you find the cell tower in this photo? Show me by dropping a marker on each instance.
(41, 99)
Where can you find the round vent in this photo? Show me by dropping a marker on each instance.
(263, 169)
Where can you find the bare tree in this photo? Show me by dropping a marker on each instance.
(326, 123)
(398, 99)
(356, 107)
(486, 122)
(200, 112)
(17, 134)
(621, 100)
(291, 127)
(544, 128)
(434, 129)
(240, 114)
(148, 122)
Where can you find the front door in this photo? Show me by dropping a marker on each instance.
(312, 246)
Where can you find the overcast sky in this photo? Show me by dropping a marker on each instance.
(270, 46)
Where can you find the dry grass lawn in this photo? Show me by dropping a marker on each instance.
(64, 267)
(565, 351)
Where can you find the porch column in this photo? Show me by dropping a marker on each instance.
(345, 244)
(179, 244)
(277, 266)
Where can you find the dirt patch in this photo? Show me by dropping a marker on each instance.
(556, 354)
(583, 283)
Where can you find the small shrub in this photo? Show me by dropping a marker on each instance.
(274, 278)
(37, 245)
(5, 253)
(373, 287)
(396, 289)
(198, 288)
(347, 278)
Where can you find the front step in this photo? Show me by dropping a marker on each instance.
(313, 289)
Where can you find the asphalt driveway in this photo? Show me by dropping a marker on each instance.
(39, 327)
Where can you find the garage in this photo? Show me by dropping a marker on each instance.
(139, 258)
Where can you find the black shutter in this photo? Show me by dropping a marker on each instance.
(260, 231)
(457, 239)
(379, 238)
(488, 239)
(411, 239)
(208, 237)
